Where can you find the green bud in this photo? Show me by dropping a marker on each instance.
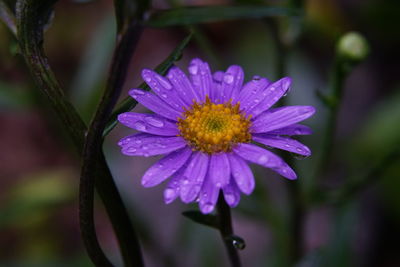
(353, 46)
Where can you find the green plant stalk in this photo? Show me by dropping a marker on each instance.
(226, 230)
(93, 153)
(8, 18)
(31, 19)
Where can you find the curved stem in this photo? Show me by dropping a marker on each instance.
(226, 230)
(93, 158)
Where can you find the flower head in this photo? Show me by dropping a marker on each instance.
(210, 126)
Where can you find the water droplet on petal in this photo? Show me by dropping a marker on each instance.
(169, 195)
(138, 141)
(263, 159)
(131, 149)
(137, 93)
(147, 79)
(230, 198)
(140, 126)
(256, 78)
(208, 207)
(228, 78)
(193, 69)
(154, 121)
(164, 83)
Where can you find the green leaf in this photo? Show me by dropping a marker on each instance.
(207, 14)
(7, 17)
(205, 219)
(88, 81)
(129, 103)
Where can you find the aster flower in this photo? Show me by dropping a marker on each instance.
(211, 126)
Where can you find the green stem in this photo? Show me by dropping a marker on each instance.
(226, 230)
(32, 16)
(93, 155)
(8, 18)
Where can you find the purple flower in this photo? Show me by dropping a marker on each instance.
(210, 126)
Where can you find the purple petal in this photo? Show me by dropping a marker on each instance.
(281, 117)
(155, 104)
(182, 85)
(231, 194)
(165, 167)
(163, 88)
(232, 82)
(264, 158)
(173, 188)
(270, 96)
(194, 176)
(294, 129)
(252, 92)
(219, 171)
(216, 93)
(149, 123)
(208, 195)
(143, 144)
(284, 143)
(201, 77)
(242, 174)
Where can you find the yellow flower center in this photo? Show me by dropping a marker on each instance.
(213, 128)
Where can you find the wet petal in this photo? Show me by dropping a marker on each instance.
(219, 171)
(215, 94)
(208, 195)
(270, 96)
(182, 85)
(284, 143)
(294, 129)
(165, 167)
(242, 174)
(149, 123)
(201, 77)
(232, 82)
(143, 144)
(194, 176)
(173, 188)
(265, 158)
(251, 92)
(155, 104)
(281, 117)
(163, 88)
(231, 194)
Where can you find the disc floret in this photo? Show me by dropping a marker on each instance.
(213, 128)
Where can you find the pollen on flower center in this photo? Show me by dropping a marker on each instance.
(213, 128)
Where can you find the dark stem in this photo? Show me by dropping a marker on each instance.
(93, 158)
(226, 230)
(339, 75)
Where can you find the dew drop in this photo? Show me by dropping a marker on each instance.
(263, 159)
(147, 79)
(137, 93)
(145, 147)
(237, 242)
(228, 78)
(164, 95)
(138, 141)
(169, 195)
(146, 154)
(164, 83)
(230, 198)
(256, 78)
(193, 69)
(208, 207)
(140, 126)
(154, 121)
(131, 149)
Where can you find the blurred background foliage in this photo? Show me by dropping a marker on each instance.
(350, 207)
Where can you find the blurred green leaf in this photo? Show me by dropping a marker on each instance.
(13, 97)
(380, 133)
(206, 14)
(35, 197)
(8, 17)
(129, 103)
(205, 219)
(88, 81)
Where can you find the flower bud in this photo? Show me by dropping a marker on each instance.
(353, 46)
